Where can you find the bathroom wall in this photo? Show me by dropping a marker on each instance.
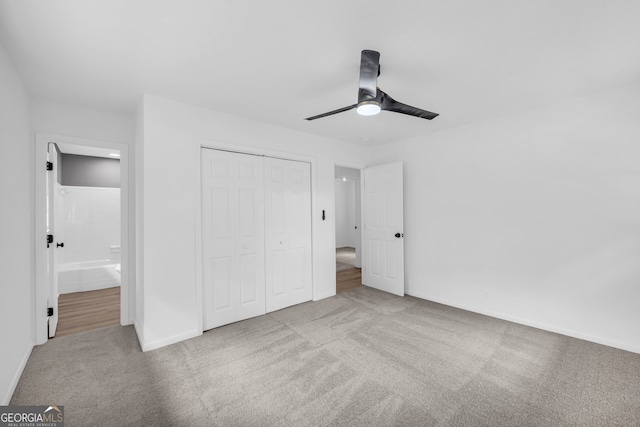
(90, 207)
(89, 171)
(91, 224)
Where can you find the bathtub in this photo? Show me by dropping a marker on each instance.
(88, 276)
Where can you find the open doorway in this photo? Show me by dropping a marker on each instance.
(83, 205)
(347, 228)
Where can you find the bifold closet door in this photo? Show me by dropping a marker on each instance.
(287, 233)
(232, 237)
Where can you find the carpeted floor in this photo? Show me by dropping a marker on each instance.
(345, 259)
(362, 358)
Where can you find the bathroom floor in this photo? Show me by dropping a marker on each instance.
(84, 311)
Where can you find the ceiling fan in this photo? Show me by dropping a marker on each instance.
(371, 100)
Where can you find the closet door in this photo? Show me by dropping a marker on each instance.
(233, 237)
(287, 233)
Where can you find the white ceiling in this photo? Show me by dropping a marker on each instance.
(283, 60)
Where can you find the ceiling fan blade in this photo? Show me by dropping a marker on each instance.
(331, 113)
(369, 72)
(390, 104)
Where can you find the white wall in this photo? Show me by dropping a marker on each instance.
(169, 169)
(16, 236)
(345, 213)
(533, 217)
(63, 119)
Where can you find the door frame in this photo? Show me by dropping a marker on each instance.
(201, 143)
(41, 281)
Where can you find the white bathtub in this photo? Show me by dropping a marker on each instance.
(88, 276)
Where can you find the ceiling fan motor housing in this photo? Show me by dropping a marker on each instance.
(371, 100)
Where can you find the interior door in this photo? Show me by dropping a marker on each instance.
(54, 217)
(232, 237)
(382, 234)
(288, 233)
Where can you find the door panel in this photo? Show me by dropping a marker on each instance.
(247, 279)
(233, 237)
(288, 233)
(222, 283)
(383, 252)
(375, 258)
(278, 269)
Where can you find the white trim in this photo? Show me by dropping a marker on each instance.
(127, 312)
(537, 325)
(197, 183)
(16, 377)
(258, 151)
(152, 345)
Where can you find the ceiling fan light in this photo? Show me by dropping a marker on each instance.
(368, 108)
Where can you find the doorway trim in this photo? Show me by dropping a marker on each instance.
(41, 278)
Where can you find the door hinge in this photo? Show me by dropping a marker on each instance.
(49, 239)
(49, 311)
(49, 166)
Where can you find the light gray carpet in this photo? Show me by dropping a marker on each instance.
(345, 259)
(363, 358)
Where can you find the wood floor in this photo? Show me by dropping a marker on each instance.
(84, 311)
(348, 280)
(348, 277)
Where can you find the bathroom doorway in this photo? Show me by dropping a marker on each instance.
(82, 207)
(347, 229)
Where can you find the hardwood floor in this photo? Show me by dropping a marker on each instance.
(348, 280)
(84, 311)
(348, 277)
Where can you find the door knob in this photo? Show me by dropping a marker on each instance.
(60, 245)
(398, 235)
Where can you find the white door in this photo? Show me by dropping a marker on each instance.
(288, 233)
(382, 235)
(232, 237)
(54, 216)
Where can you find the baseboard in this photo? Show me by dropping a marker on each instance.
(139, 332)
(16, 377)
(533, 324)
(323, 296)
(162, 342)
